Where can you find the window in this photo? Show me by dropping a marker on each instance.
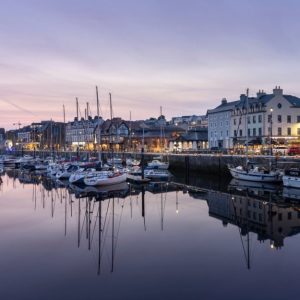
(280, 217)
(298, 119)
(235, 133)
(254, 131)
(248, 120)
(234, 121)
(227, 133)
(279, 118)
(269, 118)
(259, 118)
(269, 130)
(289, 215)
(289, 131)
(241, 132)
(289, 119)
(254, 119)
(279, 105)
(249, 133)
(279, 131)
(221, 134)
(298, 131)
(211, 134)
(259, 131)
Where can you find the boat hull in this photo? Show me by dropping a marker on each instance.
(248, 176)
(105, 180)
(291, 181)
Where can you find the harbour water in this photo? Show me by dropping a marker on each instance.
(163, 241)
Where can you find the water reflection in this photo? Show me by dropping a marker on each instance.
(263, 212)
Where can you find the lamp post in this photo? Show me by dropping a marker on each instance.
(271, 130)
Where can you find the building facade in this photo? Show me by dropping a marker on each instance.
(264, 120)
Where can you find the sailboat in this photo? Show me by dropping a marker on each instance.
(256, 173)
(102, 178)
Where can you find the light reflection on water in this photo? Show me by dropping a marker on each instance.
(160, 241)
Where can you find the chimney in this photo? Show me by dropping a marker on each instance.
(243, 97)
(277, 91)
(260, 93)
(224, 101)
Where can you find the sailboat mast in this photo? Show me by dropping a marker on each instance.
(97, 101)
(77, 109)
(246, 125)
(112, 234)
(98, 124)
(161, 128)
(130, 132)
(64, 115)
(111, 144)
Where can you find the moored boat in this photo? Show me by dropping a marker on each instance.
(105, 178)
(157, 164)
(291, 178)
(255, 174)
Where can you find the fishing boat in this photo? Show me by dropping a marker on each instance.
(291, 178)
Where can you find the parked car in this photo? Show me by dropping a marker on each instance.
(293, 150)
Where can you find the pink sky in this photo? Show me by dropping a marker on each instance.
(183, 56)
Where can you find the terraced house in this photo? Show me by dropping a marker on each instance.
(268, 117)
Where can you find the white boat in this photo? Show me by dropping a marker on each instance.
(157, 174)
(115, 161)
(78, 176)
(255, 174)
(66, 171)
(157, 164)
(291, 193)
(135, 175)
(105, 178)
(7, 160)
(25, 159)
(132, 162)
(291, 178)
(52, 169)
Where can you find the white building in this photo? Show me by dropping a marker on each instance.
(219, 125)
(270, 116)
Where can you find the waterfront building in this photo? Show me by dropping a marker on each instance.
(83, 133)
(115, 134)
(194, 139)
(2, 138)
(219, 125)
(270, 117)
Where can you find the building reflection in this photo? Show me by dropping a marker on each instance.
(265, 211)
(257, 209)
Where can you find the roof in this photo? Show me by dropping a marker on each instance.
(224, 107)
(263, 99)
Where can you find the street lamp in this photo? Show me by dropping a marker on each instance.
(271, 130)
